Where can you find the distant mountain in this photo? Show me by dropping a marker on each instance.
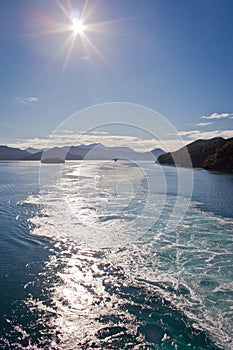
(214, 154)
(94, 152)
(53, 153)
(90, 152)
(34, 156)
(99, 151)
(9, 153)
(33, 150)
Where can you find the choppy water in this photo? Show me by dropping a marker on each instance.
(97, 257)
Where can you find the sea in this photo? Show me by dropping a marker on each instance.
(115, 255)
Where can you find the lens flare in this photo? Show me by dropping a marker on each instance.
(77, 27)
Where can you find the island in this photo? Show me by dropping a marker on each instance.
(52, 161)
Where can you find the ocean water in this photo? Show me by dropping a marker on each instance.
(115, 255)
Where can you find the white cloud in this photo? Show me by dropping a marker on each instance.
(107, 139)
(32, 142)
(197, 134)
(28, 99)
(218, 116)
(69, 138)
(204, 124)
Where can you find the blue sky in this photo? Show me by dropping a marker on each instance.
(173, 56)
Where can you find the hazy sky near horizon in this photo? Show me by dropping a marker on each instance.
(173, 56)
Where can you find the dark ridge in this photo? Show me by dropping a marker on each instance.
(214, 154)
(9, 153)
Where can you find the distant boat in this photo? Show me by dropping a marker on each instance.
(53, 161)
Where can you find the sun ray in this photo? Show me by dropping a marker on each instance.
(90, 43)
(63, 9)
(52, 32)
(86, 11)
(80, 30)
(70, 50)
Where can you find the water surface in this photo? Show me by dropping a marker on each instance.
(96, 257)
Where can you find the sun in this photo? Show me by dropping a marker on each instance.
(77, 27)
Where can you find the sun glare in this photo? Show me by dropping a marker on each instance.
(77, 27)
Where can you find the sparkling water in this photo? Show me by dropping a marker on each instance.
(115, 255)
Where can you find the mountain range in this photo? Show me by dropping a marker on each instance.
(213, 154)
(93, 151)
(8, 153)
